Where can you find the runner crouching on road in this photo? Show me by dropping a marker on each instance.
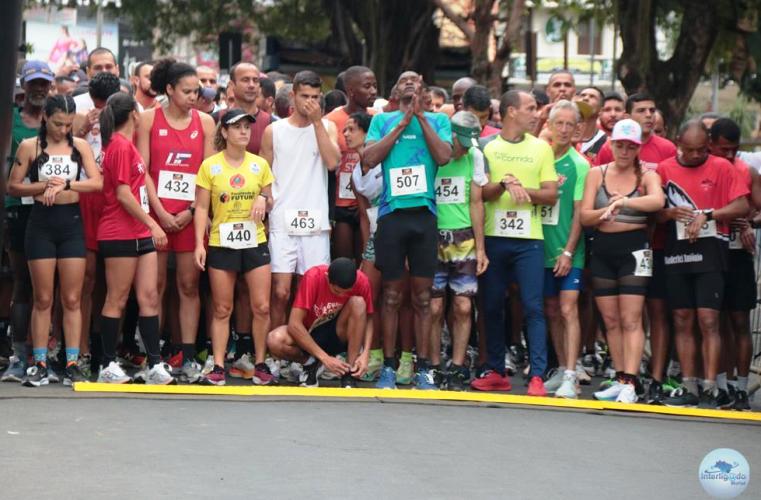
(331, 314)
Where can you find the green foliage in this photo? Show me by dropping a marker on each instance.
(741, 113)
(164, 21)
(302, 20)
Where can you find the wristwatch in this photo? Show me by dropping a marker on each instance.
(192, 210)
(708, 214)
(264, 196)
(568, 254)
(68, 185)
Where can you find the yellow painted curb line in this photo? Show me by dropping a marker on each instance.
(401, 394)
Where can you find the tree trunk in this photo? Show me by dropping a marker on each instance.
(399, 35)
(671, 82)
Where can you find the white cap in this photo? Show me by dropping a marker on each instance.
(627, 130)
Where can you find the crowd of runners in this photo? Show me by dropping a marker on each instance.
(163, 229)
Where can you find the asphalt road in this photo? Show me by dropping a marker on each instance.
(60, 443)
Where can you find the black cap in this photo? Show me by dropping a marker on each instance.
(234, 115)
(342, 273)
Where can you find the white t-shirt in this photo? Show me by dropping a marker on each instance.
(84, 105)
(301, 177)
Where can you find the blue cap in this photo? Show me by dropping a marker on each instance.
(34, 70)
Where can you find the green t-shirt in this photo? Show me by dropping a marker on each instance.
(409, 170)
(453, 184)
(532, 162)
(19, 132)
(572, 171)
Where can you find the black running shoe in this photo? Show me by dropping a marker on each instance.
(682, 398)
(457, 378)
(36, 376)
(72, 374)
(439, 378)
(348, 382)
(741, 401)
(308, 377)
(655, 394)
(723, 400)
(709, 400)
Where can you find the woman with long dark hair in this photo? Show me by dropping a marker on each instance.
(54, 241)
(127, 240)
(173, 141)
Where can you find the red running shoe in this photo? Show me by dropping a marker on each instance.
(491, 381)
(536, 387)
(175, 361)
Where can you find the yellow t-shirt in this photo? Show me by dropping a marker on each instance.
(532, 162)
(233, 190)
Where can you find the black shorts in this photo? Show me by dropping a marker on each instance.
(695, 290)
(346, 215)
(110, 249)
(740, 282)
(656, 288)
(326, 336)
(407, 236)
(239, 261)
(16, 218)
(55, 232)
(616, 261)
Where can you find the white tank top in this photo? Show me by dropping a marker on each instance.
(84, 105)
(300, 190)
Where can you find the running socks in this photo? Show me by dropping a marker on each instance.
(149, 331)
(691, 384)
(109, 334)
(244, 344)
(721, 381)
(742, 383)
(20, 322)
(72, 355)
(390, 362)
(40, 355)
(188, 352)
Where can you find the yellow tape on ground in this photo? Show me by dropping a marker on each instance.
(402, 394)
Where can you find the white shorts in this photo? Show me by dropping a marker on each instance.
(297, 254)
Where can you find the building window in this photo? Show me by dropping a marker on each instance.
(584, 40)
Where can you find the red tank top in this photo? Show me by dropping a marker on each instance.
(176, 156)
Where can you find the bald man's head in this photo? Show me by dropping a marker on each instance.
(458, 90)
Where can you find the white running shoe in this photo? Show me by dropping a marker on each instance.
(611, 393)
(628, 394)
(208, 365)
(293, 372)
(324, 374)
(113, 374)
(582, 375)
(554, 380)
(274, 366)
(569, 389)
(158, 375)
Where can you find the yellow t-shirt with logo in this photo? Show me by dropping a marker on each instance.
(532, 162)
(233, 190)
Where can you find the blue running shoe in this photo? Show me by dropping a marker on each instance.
(425, 380)
(387, 379)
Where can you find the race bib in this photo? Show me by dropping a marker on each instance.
(345, 190)
(644, 263)
(238, 235)
(144, 200)
(302, 222)
(512, 223)
(735, 243)
(550, 214)
(176, 185)
(707, 231)
(408, 180)
(372, 215)
(27, 200)
(450, 190)
(58, 166)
